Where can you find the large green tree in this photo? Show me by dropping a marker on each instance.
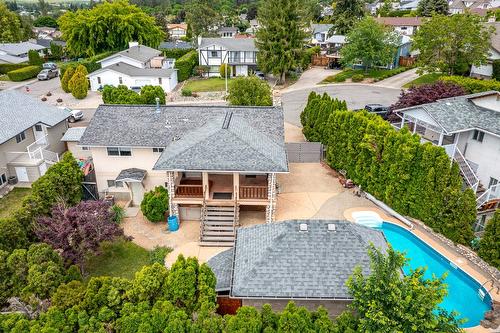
(430, 7)
(387, 301)
(10, 26)
(370, 43)
(201, 17)
(451, 44)
(108, 26)
(282, 35)
(345, 15)
(489, 247)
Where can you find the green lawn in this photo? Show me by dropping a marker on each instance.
(424, 79)
(375, 74)
(118, 259)
(210, 84)
(12, 201)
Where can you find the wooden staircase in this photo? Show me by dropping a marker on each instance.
(218, 225)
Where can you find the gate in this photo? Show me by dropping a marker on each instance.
(304, 152)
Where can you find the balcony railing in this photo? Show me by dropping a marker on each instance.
(253, 192)
(192, 191)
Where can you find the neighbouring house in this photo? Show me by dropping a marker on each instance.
(320, 34)
(30, 137)
(227, 32)
(239, 53)
(468, 128)
(71, 139)
(213, 160)
(176, 44)
(409, 4)
(404, 25)
(486, 71)
(16, 53)
(254, 25)
(461, 6)
(46, 43)
(305, 261)
(135, 67)
(46, 33)
(177, 30)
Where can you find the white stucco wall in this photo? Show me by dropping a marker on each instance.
(485, 154)
(117, 59)
(77, 151)
(109, 77)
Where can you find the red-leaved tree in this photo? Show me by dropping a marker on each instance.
(427, 93)
(78, 231)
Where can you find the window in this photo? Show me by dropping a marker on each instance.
(20, 137)
(3, 179)
(159, 80)
(479, 224)
(85, 148)
(119, 151)
(493, 182)
(478, 136)
(157, 150)
(98, 80)
(120, 80)
(114, 183)
(214, 54)
(38, 128)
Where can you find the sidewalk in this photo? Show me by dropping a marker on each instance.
(399, 80)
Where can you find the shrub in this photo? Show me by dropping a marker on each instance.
(307, 56)
(5, 68)
(150, 93)
(496, 69)
(186, 64)
(472, 85)
(68, 74)
(186, 92)
(34, 58)
(158, 254)
(78, 83)
(357, 78)
(175, 53)
(223, 68)
(24, 73)
(250, 91)
(201, 70)
(123, 95)
(154, 205)
(118, 213)
(489, 248)
(12, 235)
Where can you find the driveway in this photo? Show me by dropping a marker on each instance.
(310, 78)
(356, 96)
(399, 80)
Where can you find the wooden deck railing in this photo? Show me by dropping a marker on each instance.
(195, 191)
(253, 192)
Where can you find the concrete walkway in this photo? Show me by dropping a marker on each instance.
(310, 78)
(399, 80)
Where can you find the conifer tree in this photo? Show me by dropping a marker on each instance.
(345, 15)
(430, 7)
(489, 248)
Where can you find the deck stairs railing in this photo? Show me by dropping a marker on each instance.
(468, 174)
(489, 199)
(37, 151)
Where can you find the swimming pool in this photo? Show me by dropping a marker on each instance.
(462, 289)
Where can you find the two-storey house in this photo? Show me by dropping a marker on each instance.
(30, 137)
(239, 53)
(135, 67)
(16, 53)
(468, 128)
(177, 30)
(404, 25)
(213, 160)
(486, 71)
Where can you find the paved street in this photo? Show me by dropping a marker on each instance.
(356, 96)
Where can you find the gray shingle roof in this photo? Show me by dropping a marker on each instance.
(19, 48)
(222, 264)
(230, 44)
(73, 134)
(18, 112)
(140, 53)
(177, 44)
(278, 261)
(193, 136)
(8, 59)
(321, 27)
(132, 174)
(130, 70)
(460, 113)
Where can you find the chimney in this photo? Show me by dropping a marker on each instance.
(132, 44)
(199, 40)
(157, 105)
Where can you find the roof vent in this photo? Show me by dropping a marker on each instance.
(303, 227)
(157, 105)
(448, 103)
(331, 227)
(227, 119)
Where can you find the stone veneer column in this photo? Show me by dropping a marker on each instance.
(173, 208)
(271, 194)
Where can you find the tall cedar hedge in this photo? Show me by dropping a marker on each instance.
(24, 73)
(186, 64)
(415, 179)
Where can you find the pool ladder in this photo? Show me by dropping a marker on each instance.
(493, 286)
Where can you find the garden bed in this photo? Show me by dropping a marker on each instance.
(13, 201)
(373, 75)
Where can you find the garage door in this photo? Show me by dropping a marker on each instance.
(142, 83)
(304, 152)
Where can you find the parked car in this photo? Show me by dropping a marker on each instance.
(49, 65)
(75, 114)
(379, 109)
(47, 74)
(260, 75)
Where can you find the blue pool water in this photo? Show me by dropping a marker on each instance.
(462, 289)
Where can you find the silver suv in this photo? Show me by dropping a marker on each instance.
(47, 74)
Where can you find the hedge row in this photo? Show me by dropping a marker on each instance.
(415, 179)
(186, 64)
(24, 73)
(175, 53)
(5, 68)
(91, 64)
(471, 85)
